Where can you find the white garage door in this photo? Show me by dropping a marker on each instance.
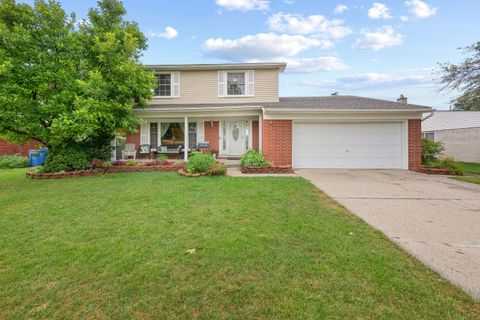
(347, 145)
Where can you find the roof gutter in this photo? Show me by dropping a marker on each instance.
(201, 109)
(429, 116)
(311, 110)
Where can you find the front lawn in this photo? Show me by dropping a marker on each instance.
(469, 167)
(115, 246)
(468, 179)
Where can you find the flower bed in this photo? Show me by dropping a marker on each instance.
(66, 174)
(270, 169)
(148, 167)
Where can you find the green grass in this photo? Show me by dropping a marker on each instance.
(470, 167)
(468, 179)
(114, 246)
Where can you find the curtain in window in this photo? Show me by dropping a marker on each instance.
(163, 129)
(154, 134)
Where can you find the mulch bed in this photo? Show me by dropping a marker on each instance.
(262, 170)
(116, 168)
(429, 170)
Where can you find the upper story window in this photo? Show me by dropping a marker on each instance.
(235, 83)
(168, 85)
(164, 81)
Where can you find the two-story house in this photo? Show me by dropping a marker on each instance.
(235, 107)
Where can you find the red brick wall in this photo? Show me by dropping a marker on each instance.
(255, 137)
(7, 148)
(277, 141)
(212, 134)
(414, 144)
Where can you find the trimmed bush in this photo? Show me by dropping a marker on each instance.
(431, 150)
(199, 162)
(253, 158)
(68, 159)
(450, 164)
(12, 162)
(217, 169)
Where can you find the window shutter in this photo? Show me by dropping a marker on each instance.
(250, 83)
(221, 83)
(144, 134)
(176, 84)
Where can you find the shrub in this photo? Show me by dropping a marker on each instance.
(450, 164)
(199, 162)
(65, 159)
(253, 158)
(431, 150)
(131, 163)
(11, 162)
(217, 169)
(162, 157)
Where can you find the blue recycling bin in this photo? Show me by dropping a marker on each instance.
(37, 157)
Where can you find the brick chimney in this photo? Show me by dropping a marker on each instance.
(402, 99)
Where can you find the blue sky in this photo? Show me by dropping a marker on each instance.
(370, 48)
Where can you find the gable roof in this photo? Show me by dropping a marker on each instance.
(299, 104)
(447, 120)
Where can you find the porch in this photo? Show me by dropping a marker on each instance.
(228, 134)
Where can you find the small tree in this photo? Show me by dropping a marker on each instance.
(69, 84)
(464, 77)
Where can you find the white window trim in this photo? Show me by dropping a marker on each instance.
(225, 85)
(172, 84)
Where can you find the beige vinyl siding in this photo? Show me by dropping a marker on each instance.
(202, 87)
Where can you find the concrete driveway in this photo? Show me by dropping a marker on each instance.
(435, 218)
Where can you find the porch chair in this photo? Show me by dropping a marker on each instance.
(144, 149)
(129, 151)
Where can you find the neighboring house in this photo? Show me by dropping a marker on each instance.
(458, 130)
(236, 107)
(7, 148)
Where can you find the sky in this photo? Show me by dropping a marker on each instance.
(377, 49)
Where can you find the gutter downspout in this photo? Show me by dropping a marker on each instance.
(429, 116)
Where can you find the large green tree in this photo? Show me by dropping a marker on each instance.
(70, 84)
(464, 78)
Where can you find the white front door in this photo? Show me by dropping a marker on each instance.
(236, 137)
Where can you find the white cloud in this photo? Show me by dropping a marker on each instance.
(378, 39)
(317, 64)
(373, 80)
(379, 11)
(262, 46)
(169, 33)
(420, 9)
(289, 1)
(243, 5)
(404, 18)
(340, 8)
(314, 24)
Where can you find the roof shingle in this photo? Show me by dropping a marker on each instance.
(339, 102)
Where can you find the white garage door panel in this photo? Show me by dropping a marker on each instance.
(347, 145)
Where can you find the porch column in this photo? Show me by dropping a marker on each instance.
(260, 137)
(185, 139)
